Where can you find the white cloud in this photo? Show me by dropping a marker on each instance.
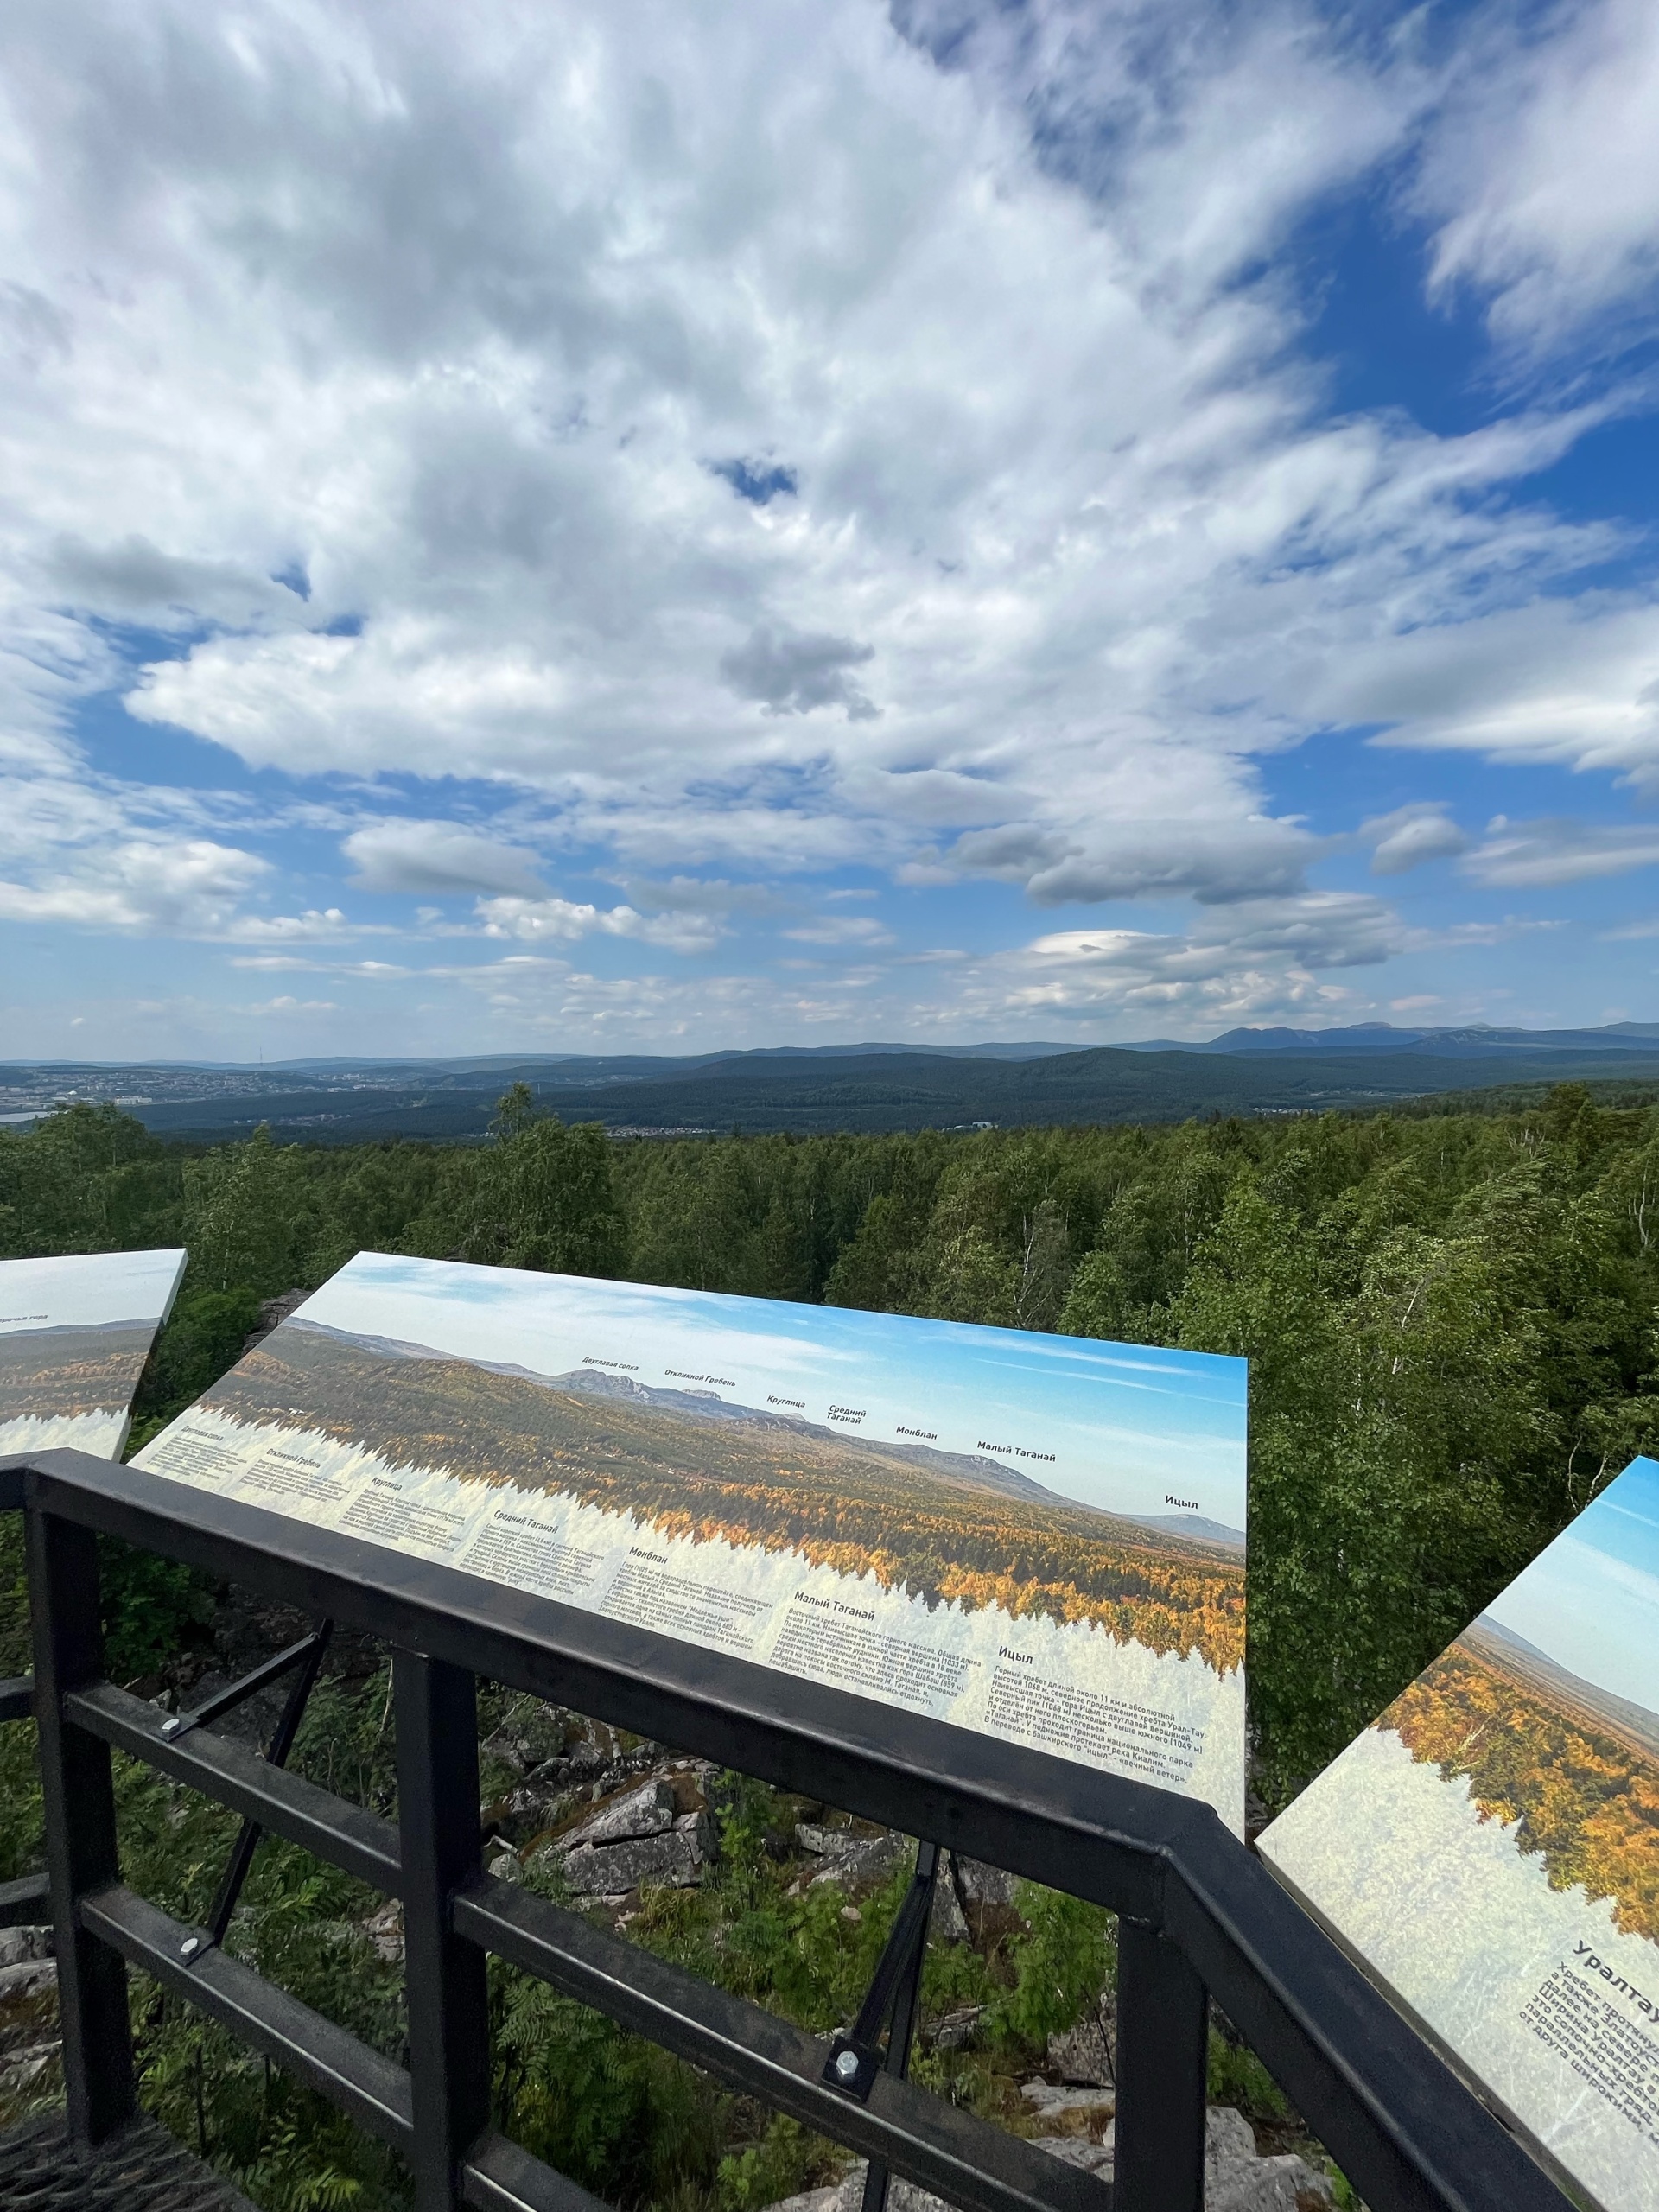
(385, 359)
(841, 929)
(479, 419)
(1517, 854)
(1545, 172)
(1558, 683)
(414, 856)
(191, 888)
(564, 920)
(1410, 836)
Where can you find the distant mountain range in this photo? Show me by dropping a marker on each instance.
(972, 1470)
(1194, 1525)
(1635, 1722)
(866, 1087)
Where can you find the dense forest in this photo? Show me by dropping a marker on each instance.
(1582, 1796)
(1450, 1317)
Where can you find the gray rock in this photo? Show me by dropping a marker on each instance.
(611, 1870)
(385, 1929)
(25, 1978)
(700, 1827)
(981, 1885)
(1081, 2054)
(871, 1860)
(1049, 2102)
(821, 1842)
(947, 1924)
(18, 1945)
(1237, 2179)
(1077, 2151)
(956, 2031)
(647, 1809)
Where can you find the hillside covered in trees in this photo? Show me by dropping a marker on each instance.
(1451, 1316)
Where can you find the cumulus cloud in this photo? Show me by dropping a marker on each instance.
(538, 920)
(192, 887)
(791, 673)
(437, 856)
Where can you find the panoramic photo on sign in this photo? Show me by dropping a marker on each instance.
(1490, 1847)
(1039, 1537)
(74, 1335)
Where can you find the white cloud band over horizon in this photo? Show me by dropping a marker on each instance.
(682, 525)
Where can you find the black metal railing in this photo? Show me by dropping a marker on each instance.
(1199, 1915)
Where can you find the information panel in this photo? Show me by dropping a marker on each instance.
(74, 1335)
(1489, 1848)
(1039, 1537)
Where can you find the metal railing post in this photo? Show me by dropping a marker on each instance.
(445, 1978)
(80, 1835)
(1163, 2037)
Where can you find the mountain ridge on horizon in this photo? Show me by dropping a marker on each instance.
(847, 1089)
(1360, 1036)
(972, 1470)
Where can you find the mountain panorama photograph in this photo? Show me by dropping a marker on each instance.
(828, 842)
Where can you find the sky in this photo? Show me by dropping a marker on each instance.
(1591, 1600)
(1126, 1424)
(611, 525)
(61, 1293)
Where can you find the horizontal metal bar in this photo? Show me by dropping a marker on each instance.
(238, 1692)
(17, 1697)
(25, 1902)
(1051, 1820)
(498, 2177)
(334, 1829)
(1348, 2063)
(969, 2163)
(373, 2091)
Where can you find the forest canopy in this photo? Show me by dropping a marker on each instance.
(1450, 1317)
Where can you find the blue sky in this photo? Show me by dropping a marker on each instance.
(1127, 1424)
(1591, 1600)
(646, 526)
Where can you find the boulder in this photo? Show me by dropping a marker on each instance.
(870, 1860)
(1086, 2106)
(672, 1857)
(1236, 2178)
(819, 1842)
(956, 2031)
(1082, 2054)
(985, 1895)
(647, 1809)
(980, 1885)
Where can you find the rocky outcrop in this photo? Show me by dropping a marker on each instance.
(29, 2017)
(1235, 2177)
(659, 1831)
